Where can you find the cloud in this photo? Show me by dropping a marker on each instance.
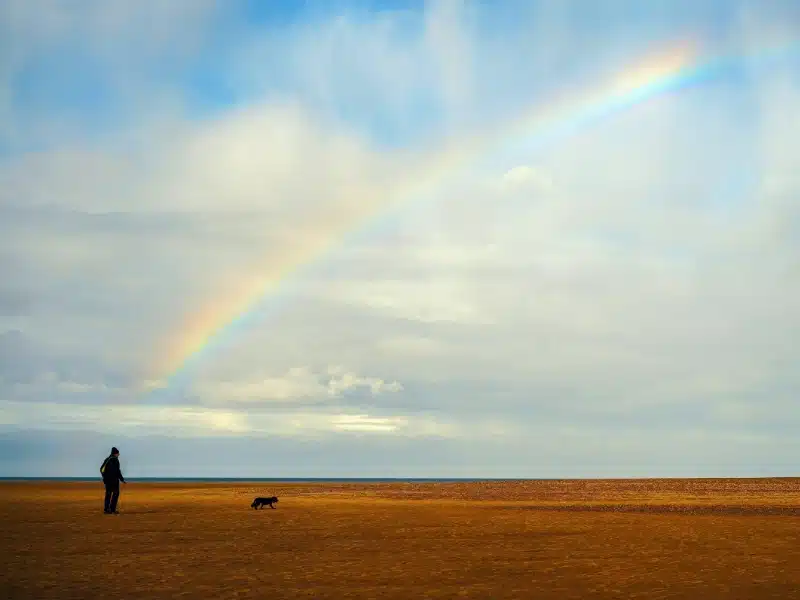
(409, 346)
(426, 301)
(365, 423)
(189, 213)
(297, 384)
(525, 176)
(341, 381)
(191, 421)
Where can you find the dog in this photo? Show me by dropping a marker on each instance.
(260, 502)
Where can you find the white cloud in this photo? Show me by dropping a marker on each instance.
(408, 346)
(426, 301)
(297, 384)
(525, 176)
(350, 381)
(365, 423)
(186, 421)
(294, 385)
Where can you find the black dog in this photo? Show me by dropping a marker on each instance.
(260, 502)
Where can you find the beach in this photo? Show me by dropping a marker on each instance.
(670, 538)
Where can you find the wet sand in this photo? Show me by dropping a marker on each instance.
(691, 539)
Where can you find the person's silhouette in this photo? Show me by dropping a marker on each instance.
(112, 475)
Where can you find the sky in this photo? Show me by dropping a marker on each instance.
(310, 239)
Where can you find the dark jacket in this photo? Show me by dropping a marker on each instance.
(110, 470)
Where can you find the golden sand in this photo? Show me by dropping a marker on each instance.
(692, 539)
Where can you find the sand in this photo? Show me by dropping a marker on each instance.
(698, 539)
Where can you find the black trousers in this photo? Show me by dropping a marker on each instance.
(112, 495)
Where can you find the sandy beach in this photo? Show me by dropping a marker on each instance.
(698, 539)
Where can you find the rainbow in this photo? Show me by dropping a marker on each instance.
(676, 68)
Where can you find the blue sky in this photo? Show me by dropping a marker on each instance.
(618, 301)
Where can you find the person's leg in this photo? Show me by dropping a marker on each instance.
(114, 498)
(107, 503)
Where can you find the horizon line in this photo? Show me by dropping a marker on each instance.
(156, 479)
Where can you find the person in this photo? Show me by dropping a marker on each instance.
(112, 475)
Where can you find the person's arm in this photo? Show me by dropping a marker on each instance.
(119, 470)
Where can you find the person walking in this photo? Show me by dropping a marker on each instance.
(112, 475)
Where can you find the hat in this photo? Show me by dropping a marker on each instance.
(114, 451)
